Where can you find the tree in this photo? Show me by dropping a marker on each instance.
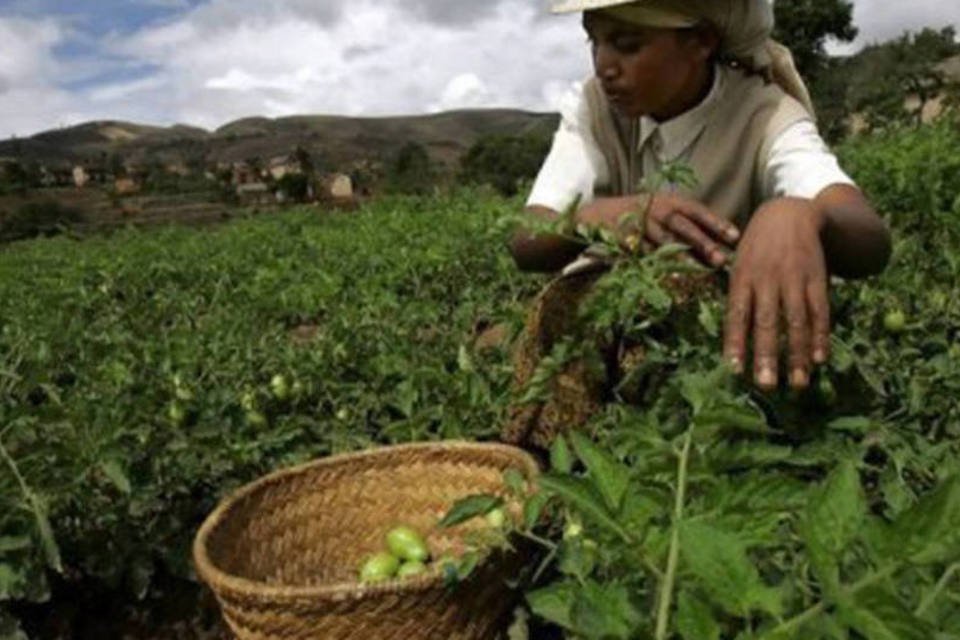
(305, 159)
(411, 171)
(504, 161)
(805, 26)
(294, 186)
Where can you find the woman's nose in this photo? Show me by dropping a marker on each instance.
(604, 62)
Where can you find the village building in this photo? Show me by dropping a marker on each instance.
(125, 186)
(254, 193)
(339, 186)
(243, 173)
(280, 166)
(55, 175)
(177, 168)
(80, 177)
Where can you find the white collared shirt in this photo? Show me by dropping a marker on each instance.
(799, 163)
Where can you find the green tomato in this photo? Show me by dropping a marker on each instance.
(248, 401)
(826, 392)
(256, 419)
(407, 544)
(378, 567)
(895, 322)
(296, 389)
(176, 413)
(496, 518)
(279, 387)
(411, 568)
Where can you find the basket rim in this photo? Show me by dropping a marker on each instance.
(221, 581)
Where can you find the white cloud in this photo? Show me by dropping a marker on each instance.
(29, 97)
(465, 91)
(238, 58)
(166, 4)
(28, 58)
(226, 59)
(880, 20)
(112, 93)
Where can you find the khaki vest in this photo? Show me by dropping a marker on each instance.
(728, 158)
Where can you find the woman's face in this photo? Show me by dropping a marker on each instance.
(646, 71)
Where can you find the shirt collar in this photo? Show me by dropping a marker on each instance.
(676, 135)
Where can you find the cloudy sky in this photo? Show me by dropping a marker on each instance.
(207, 62)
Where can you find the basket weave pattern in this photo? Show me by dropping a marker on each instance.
(282, 553)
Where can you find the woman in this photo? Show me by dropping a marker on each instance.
(701, 82)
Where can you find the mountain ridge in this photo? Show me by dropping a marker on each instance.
(335, 140)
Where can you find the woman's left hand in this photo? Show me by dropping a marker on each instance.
(780, 272)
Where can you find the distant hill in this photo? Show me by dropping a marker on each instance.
(335, 140)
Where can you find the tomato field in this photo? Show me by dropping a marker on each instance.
(146, 374)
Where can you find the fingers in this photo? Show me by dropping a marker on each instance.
(816, 297)
(766, 316)
(758, 309)
(658, 234)
(799, 336)
(737, 325)
(689, 233)
(719, 228)
(676, 219)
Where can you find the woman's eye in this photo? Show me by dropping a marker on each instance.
(629, 44)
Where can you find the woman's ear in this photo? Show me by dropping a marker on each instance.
(706, 39)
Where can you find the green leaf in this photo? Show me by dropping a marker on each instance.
(746, 454)
(842, 357)
(560, 459)
(608, 474)
(719, 559)
(604, 611)
(759, 491)
(733, 418)
(532, 509)
(877, 614)
(10, 628)
(115, 473)
(464, 360)
(695, 619)
(708, 320)
(833, 518)
(469, 508)
(50, 549)
(583, 496)
(856, 425)
(929, 531)
(514, 481)
(12, 582)
(14, 543)
(554, 603)
(577, 557)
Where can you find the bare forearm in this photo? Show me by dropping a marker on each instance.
(856, 241)
(543, 253)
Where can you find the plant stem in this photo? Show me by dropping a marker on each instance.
(941, 585)
(549, 544)
(16, 472)
(666, 589)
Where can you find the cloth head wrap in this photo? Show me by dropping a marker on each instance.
(745, 28)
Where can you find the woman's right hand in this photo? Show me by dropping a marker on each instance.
(670, 218)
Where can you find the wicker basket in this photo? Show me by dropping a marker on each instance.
(282, 553)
